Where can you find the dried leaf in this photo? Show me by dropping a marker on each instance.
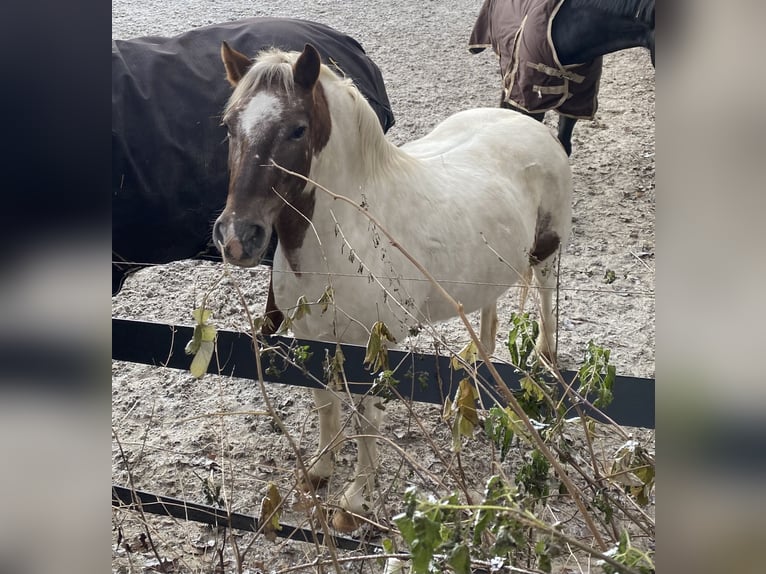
(376, 357)
(302, 308)
(334, 368)
(270, 514)
(327, 298)
(464, 409)
(469, 354)
(532, 389)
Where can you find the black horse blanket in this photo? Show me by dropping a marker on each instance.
(169, 155)
(519, 32)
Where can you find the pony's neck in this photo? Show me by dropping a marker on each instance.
(357, 151)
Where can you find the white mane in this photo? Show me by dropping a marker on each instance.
(348, 105)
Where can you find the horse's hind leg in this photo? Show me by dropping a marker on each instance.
(546, 278)
(357, 498)
(566, 126)
(543, 258)
(489, 327)
(328, 407)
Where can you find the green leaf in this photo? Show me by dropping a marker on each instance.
(532, 389)
(533, 476)
(201, 315)
(499, 429)
(388, 546)
(460, 559)
(193, 345)
(422, 536)
(543, 556)
(207, 332)
(597, 375)
(482, 520)
(201, 360)
(522, 339)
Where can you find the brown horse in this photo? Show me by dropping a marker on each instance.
(551, 51)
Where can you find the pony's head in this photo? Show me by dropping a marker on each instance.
(277, 120)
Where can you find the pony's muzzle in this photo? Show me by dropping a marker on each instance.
(239, 242)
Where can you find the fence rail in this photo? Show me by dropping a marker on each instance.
(129, 499)
(422, 377)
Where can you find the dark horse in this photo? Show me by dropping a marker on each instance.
(169, 152)
(551, 51)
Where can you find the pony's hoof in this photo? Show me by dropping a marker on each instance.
(343, 521)
(544, 351)
(314, 482)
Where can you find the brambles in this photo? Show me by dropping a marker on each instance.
(509, 526)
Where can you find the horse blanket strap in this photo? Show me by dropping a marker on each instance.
(519, 32)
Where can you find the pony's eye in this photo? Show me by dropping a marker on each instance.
(297, 133)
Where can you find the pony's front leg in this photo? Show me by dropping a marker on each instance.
(545, 277)
(488, 327)
(322, 463)
(357, 499)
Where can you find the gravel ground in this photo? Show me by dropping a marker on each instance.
(420, 48)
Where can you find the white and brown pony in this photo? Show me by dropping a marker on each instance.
(484, 182)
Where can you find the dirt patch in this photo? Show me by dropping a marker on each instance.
(171, 437)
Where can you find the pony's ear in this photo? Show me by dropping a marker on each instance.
(236, 63)
(306, 69)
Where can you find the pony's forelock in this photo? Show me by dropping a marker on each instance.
(269, 67)
(276, 66)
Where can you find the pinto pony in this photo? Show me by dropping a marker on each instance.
(484, 182)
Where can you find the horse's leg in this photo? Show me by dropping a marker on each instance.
(273, 314)
(489, 327)
(328, 407)
(545, 277)
(358, 496)
(566, 125)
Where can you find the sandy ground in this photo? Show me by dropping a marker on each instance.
(162, 417)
